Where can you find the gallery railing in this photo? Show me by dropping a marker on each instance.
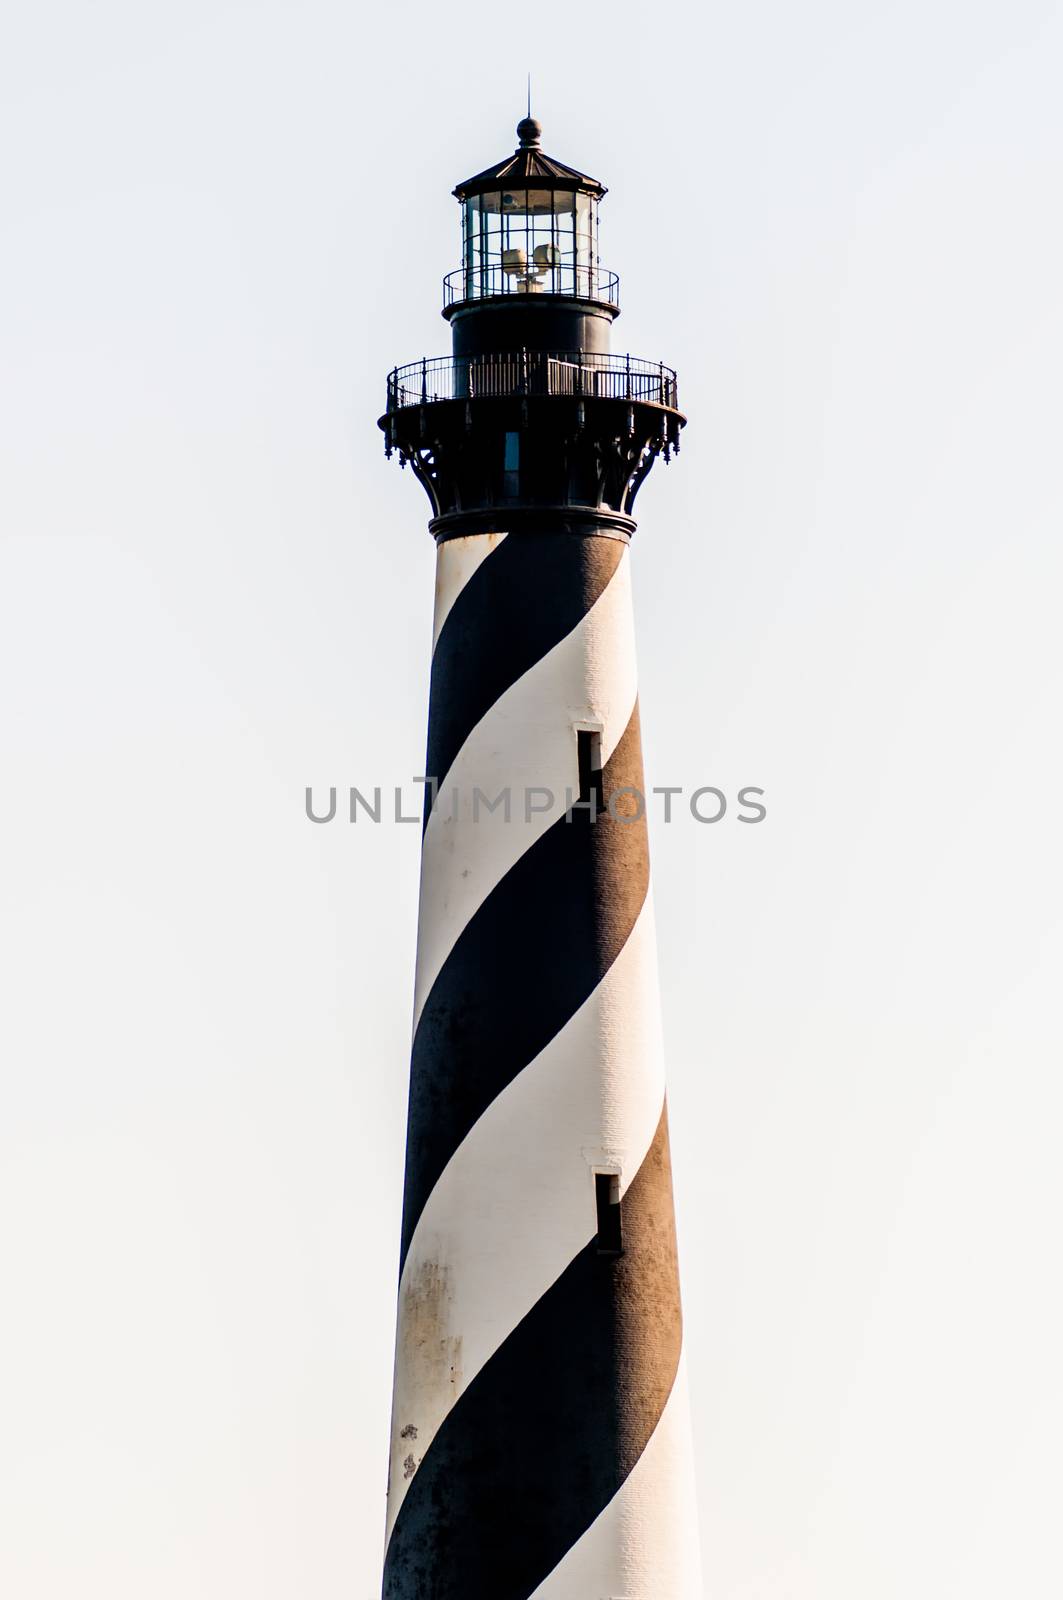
(579, 373)
(482, 282)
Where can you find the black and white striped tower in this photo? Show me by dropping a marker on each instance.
(540, 1440)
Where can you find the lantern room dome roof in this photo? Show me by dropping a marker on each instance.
(529, 165)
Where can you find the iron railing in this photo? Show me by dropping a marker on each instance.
(484, 282)
(579, 373)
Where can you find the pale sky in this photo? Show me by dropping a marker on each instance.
(220, 225)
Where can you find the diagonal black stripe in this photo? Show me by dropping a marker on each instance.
(549, 1429)
(521, 601)
(524, 963)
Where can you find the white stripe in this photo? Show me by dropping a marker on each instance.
(515, 1204)
(644, 1545)
(456, 561)
(526, 740)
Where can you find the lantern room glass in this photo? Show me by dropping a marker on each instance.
(530, 241)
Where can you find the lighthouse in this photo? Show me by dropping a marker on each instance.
(540, 1441)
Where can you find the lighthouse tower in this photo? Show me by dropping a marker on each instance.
(540, 1439)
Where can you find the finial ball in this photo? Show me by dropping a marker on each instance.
(529, 131)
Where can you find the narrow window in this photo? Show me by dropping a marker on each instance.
(511, 466)
(607, 1201)
(589, 756)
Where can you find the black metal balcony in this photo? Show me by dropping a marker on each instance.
(488, 282)
(579, 374)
